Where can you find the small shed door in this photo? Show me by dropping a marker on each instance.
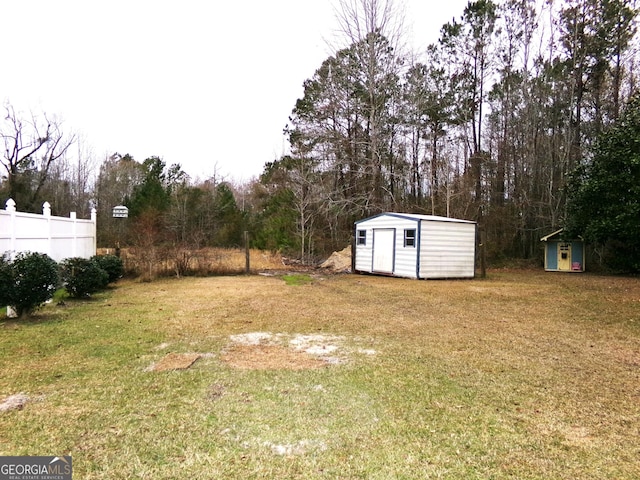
(383, 249)
(564, 257)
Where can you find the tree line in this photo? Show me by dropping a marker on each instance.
(486, 124)
(497, 122)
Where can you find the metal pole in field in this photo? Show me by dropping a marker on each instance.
(246, 252)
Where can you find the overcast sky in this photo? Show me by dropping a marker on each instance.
(202, 83)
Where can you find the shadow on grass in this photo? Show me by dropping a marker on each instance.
(35, 318)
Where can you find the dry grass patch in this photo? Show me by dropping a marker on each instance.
(159, 262)
(521, 375)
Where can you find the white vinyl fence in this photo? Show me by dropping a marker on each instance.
(58, 237)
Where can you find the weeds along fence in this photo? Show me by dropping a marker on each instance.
(162, 261)
(58, 237)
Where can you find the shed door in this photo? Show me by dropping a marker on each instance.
(564, 257)
(383, 249)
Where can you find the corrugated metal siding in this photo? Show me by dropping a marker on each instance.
(447, 250)
(406, 257)
(364, 253)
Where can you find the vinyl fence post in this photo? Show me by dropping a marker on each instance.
(46, 213)
(94, 230)
(10, 207)
(74, 246)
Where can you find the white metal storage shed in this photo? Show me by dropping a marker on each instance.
(415, 246)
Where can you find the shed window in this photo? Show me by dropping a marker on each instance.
(362, 237)
(410, 237)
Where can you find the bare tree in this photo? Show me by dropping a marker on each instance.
(30, 148)
(71, 181)
(374, 29)
(358, 18)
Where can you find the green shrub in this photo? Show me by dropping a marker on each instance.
(81, 277)
(111, 264)
(6, 280)
(34, 279)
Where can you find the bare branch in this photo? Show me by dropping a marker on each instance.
(29, 150)
(358, 18)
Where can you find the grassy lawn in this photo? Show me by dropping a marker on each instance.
(522, 375)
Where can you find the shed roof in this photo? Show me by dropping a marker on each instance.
(416, 216)
(558, 234)
(547, 237)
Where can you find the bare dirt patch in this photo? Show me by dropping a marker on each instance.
(270, 357)
(14, 402)
(266, 350)
(176, 361)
